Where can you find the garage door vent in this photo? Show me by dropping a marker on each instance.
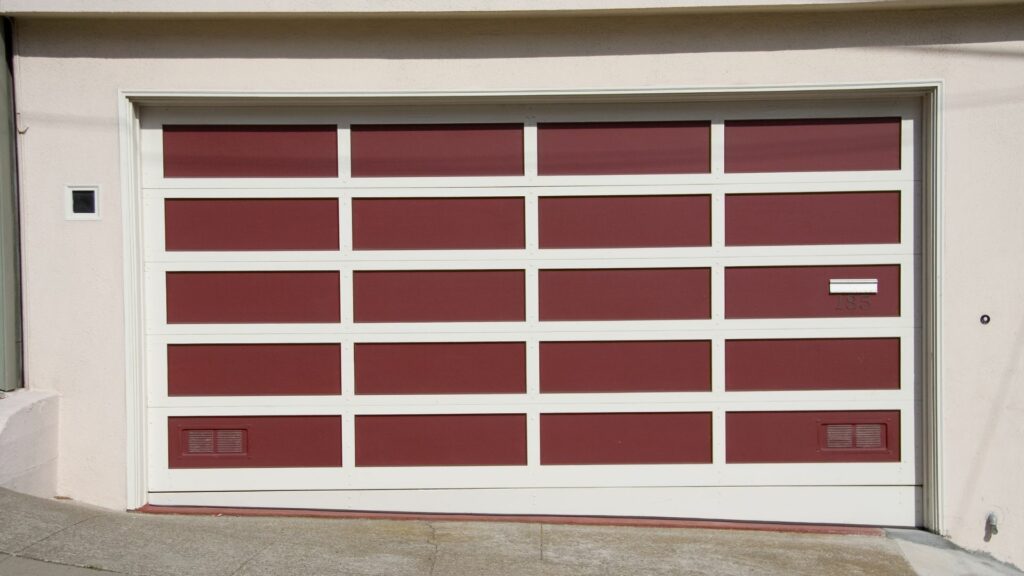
(854, 436)
(199, 441)
(215, 441)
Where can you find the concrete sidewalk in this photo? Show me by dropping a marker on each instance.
(47, 537)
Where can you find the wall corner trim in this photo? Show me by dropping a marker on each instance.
(135, 394)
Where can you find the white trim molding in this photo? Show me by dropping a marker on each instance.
(134, 318)
(933, 496)
(440, 8)
(146, 329)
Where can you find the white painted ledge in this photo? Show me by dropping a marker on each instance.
(364, 8)
(29, 422)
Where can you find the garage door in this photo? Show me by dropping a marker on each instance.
(690, 310)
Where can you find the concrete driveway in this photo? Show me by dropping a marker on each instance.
(60, 538)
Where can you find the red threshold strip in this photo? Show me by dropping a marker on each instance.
(535, 519)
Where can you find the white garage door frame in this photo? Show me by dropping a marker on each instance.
(715, 490)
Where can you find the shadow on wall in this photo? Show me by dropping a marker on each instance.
(483, 38)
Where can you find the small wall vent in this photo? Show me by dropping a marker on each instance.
(214, 441)
(82, 202)
(854, 437)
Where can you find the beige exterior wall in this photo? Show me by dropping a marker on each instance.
(69, 73)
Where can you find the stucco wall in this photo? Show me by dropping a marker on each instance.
(68, 74)
(29, 424)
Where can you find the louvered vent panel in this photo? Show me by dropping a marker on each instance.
(215, 441)
(839, 436)
(854, 437)
(869, 436)
(230, 441)
(199, 441)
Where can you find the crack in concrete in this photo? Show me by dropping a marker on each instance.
(433, 542)
(51, 535)
(251, 558)
(97, 569)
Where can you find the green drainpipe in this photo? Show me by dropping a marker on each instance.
(10, 285)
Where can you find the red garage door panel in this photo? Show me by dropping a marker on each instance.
(765, 437)
(252, 297)
(253, 369)
(441, 368)
(810, 145)
(254, 441)
(813, 364)
(625, 221)
(625, 294)
(438, 223)
(251, 224)
(437, 150)
(624, 148)
(264, 151)
(441, 440)
(803, 292)
(676, 366)
(832, 218)
(626, 438)
(440, 296)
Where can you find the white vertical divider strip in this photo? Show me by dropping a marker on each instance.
(345, 240)
(344, 151)
(532, 234)
(345, 247)
(344, 225)
(908, 234)
(156, 371)
(717, 146)
(909, 198)
(718, 293)
(532, 295)
(533, 393)
(532, 368)
(717, 219)
(348, 419)
(718, 438)
(907, 157)
(530, 159)
(718, 365)
(718, 290)
(153, 233)
(346, 295)
(155, 295)
(909, 411)
(150, 152)
(910, 377)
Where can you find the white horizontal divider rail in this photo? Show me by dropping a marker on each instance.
(889, 491)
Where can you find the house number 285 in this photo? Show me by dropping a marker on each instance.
(853, 302)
